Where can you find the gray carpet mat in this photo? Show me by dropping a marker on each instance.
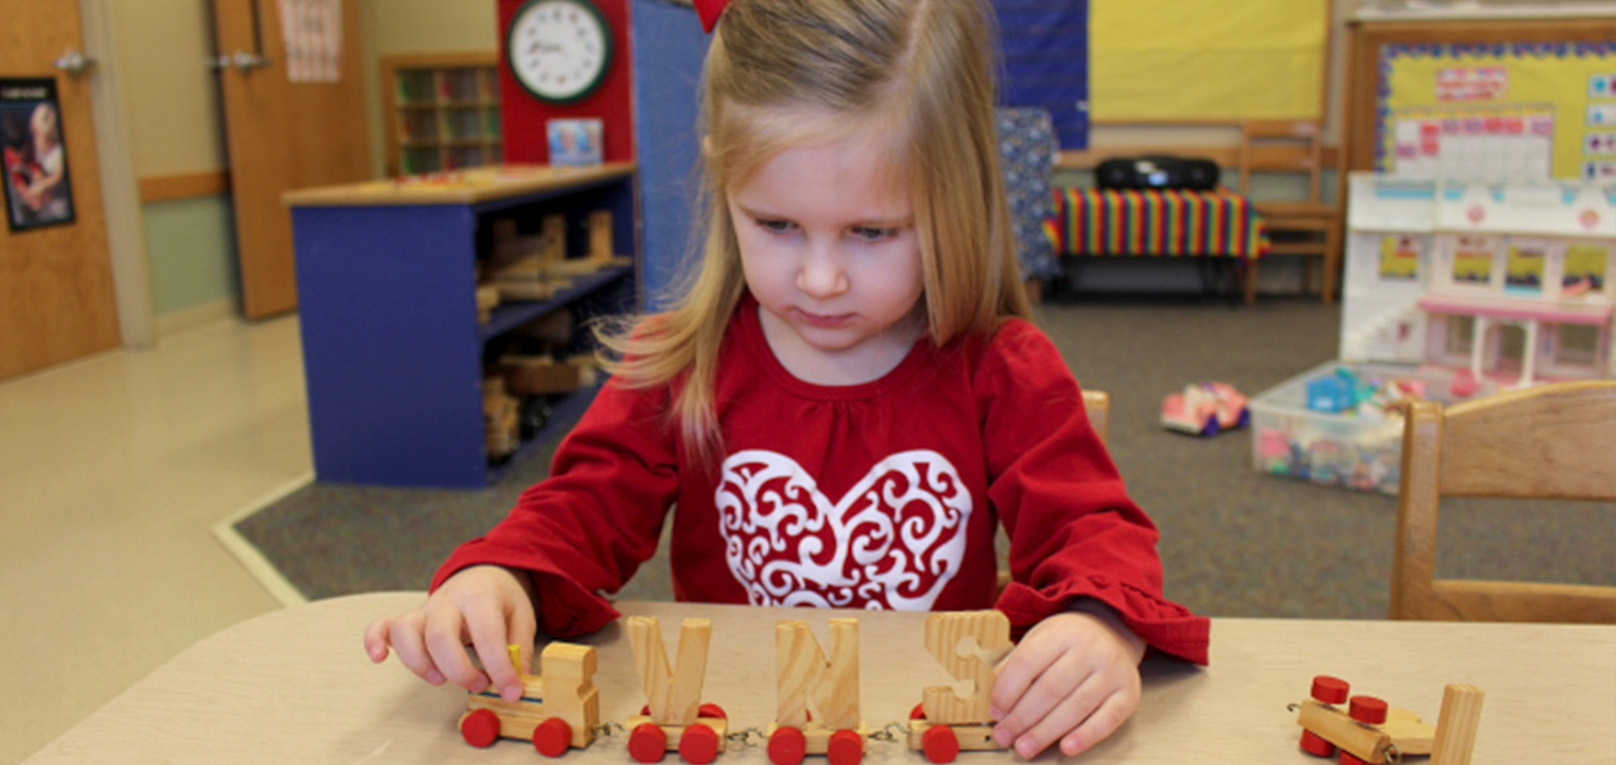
(1234, 542)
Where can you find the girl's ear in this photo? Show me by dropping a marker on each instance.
(707, 146)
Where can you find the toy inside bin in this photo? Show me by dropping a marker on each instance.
(1338, 424)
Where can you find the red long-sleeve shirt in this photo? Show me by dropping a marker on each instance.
(879, 495)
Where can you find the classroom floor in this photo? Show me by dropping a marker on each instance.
(114, 472)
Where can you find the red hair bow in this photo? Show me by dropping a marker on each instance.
(709, 11)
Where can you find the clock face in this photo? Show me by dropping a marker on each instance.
(559, 50)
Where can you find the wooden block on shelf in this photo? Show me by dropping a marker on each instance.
(522, 289)
(543, 375)
(554, 327)
(487, 301)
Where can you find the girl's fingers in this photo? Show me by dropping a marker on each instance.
(376, 644)
(404, 633)
(1025, 664)
(1111, 714)
(1052, 707)
(445, 642)
(487, 627)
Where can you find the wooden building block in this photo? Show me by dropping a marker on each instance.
(673, 695)
(967, 644)
(569, 673)
(565, 692)
(803, 672)
(542, 375)
(600, 235)
(1456, 727)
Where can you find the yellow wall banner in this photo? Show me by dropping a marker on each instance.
(1200, 60)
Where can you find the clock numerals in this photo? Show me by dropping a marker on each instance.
(559, 50)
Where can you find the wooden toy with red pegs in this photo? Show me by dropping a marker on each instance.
(559, 708)
(804, 673)
(968, 644)
(674, 719)
(1369, 731)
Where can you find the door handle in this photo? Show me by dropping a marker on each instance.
(241, 60)
(75, 63)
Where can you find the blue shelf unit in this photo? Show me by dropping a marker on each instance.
(394, 355)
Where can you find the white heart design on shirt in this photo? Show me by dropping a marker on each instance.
(890, 542)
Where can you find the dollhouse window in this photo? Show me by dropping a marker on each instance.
(1511, 347)
(1577, 344)
(1461, 334)
(1523, 274)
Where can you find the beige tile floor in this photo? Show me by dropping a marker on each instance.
(114, 472)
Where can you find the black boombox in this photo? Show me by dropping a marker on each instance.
(1158, 171)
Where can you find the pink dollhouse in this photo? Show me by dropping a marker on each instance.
(1509, 282)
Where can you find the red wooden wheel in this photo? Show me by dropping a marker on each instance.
(712, 710)
(787, 746)
(918, 713)
(1316, 746)
(647, 743)
(699, 744)
(1367, 709)
(845, 748)
(940, 744)
(480, 728)
(552, 737)
(1348, 758)
(1330, 690)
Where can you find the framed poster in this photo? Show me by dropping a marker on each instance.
(35, 159)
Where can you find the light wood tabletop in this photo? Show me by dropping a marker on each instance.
(296, 686)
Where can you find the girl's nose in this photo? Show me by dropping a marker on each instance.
(821, 274)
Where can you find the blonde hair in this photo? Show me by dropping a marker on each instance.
(919, 67)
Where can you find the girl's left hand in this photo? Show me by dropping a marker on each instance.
(1074, 678)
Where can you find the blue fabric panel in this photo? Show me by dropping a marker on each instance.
(669, 48)
(1045, 49)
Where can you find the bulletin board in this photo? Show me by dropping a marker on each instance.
(1191, 60)
(1497, 110)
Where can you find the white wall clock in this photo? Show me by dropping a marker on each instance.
(559, 50)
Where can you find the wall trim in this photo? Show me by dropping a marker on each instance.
(197, 316)
(167, 188)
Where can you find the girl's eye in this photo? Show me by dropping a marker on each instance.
(776, 226)
(874, 234)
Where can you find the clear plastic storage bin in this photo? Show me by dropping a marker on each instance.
(1360, 449)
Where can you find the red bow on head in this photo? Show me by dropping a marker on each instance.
(709, 11)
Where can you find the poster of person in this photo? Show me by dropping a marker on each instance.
(574, 141)
(35, 159)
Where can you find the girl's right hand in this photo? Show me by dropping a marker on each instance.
(485, 607)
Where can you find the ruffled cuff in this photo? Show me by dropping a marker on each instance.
(1166, 626)
(565, 608)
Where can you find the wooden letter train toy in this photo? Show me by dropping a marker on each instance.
(561, 708)
(969, 644)
(803, 673)
(674, 719)
(1367, 731)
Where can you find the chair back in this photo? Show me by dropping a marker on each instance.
(1283, 146)
(1555, 441)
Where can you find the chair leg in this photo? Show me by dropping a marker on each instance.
(1332, 261)
(1251, 280)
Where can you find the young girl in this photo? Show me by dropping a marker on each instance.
(847, 400)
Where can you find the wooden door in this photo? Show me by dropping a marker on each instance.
(56, 294)
(284, 132)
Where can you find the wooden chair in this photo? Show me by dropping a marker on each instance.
(1308, 227)
(1554, 441)
(1098, 405)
